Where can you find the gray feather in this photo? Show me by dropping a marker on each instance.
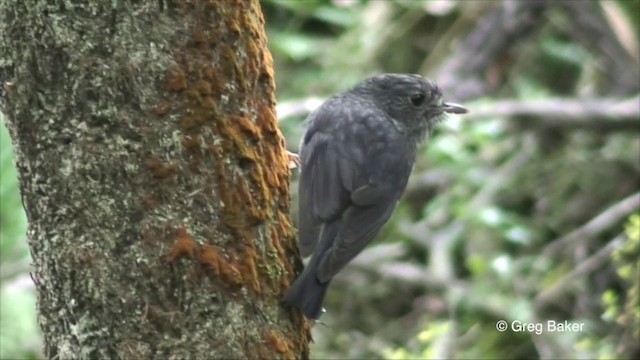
(359, 226)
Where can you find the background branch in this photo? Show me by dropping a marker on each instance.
(589, 265)
(601, 114)
(611, 216)
(591, 114)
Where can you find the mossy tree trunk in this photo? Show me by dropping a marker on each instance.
(154, 178)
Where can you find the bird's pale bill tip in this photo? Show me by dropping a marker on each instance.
(454, 108)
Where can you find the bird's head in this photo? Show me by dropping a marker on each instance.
(412, 101)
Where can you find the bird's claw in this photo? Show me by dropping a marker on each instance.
(294, 160)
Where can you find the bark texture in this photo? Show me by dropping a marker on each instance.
(154, 178)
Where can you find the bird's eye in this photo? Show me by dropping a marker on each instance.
(417, 99)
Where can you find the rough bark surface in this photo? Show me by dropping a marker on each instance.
(154, 178)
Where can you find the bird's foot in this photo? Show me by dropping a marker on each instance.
(294, 160)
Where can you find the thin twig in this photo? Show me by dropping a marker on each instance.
(594, 114)
(597, 225)
(589, 265)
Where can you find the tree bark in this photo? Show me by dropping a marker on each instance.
(154, 178)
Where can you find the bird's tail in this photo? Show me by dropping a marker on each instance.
(307, 292)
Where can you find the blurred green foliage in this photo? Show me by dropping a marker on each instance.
(13, 222)
(18, 329)
(624, 310)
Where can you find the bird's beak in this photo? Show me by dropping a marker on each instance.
(453, 108)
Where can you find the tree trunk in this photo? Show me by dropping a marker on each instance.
(154, 178)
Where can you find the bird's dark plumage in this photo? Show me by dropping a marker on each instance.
(356, 157)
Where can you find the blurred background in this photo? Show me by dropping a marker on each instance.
(525, 210)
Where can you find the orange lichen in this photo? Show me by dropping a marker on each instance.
(190, 122)
(216, 150)
(218, 82)
(184, 246)
(240, 136)
(215, 34)
(149, 202)
(249, 268)
(176, 79)
(191, 142)
(253, 60)
(283, 239)
(229, 61)
(208, 72)
(210, 258)
(267, 60)
(160, 109)
(262, 189)
(159, 169)
(277, 342)
(260, 175)
(240, 211)
(247, 126)
(208, 103)
(246, 168)
(284, 226)
(232, 26)
(203, 87)
(227, 55)
(198, 35)
(194, 95)
(231, 268)
(267, 120)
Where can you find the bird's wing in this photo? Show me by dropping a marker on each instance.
(323, 195)
(358, 227)
(337, 157)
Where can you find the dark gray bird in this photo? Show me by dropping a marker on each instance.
(356, 157)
